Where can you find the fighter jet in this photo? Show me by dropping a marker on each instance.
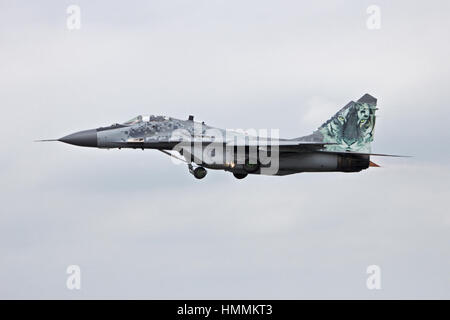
(341, 144)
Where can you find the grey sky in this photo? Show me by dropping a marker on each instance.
(142, 227)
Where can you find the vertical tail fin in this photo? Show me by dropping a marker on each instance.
(351, 128)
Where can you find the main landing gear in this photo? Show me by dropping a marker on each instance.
(248, 168)
(239, 175)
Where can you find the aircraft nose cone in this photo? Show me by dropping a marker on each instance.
(86, 138)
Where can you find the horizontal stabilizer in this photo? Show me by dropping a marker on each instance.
(281, 143)
(364, 154)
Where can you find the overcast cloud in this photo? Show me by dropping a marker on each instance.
(141, 227)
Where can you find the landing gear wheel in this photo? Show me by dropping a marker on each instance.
(251, 167)
(200, 172)
(239, 175)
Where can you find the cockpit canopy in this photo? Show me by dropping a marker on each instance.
(145, 118)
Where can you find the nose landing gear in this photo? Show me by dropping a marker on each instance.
(198, 172)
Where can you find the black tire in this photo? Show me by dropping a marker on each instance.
(251, 167)
(200, 172)
(239, 175)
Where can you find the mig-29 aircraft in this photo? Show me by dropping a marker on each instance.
(341, 144)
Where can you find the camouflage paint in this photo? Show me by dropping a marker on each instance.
(350, 129)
